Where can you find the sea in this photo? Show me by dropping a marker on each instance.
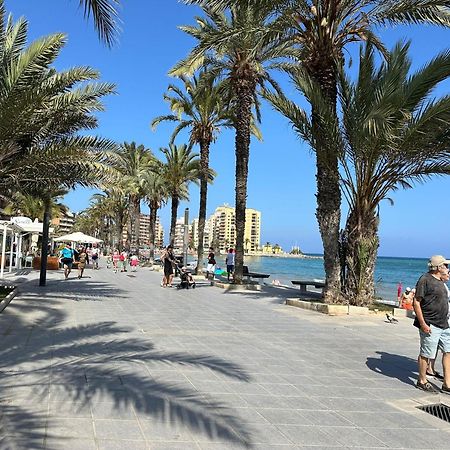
(389, 271)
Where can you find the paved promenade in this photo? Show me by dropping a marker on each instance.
(114, 361)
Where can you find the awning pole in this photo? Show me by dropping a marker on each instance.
(2, 264)
(11, 250)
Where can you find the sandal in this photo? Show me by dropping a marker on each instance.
(436, 375)
(427, 387)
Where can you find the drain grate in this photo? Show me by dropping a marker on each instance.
(438, 410)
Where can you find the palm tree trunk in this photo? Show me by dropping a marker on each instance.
(137, 224)
(204, 168)
(245, 89)
(151, 232)
(361, 253)
(328, 211)
(173, 218)
(119, 231)
(44, 244)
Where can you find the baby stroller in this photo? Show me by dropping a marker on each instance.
(186, 279)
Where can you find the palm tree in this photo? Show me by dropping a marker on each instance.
(199, 107)
(104, 13)
(134, 162)
(33, 207)
(181, 167)
(320, 30)
(156, 196)
(394, 134)
(41, 113)
(237, 47)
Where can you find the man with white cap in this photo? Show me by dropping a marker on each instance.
(431, 308)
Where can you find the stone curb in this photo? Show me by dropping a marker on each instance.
(236, 287)
(333, 310)
(5, 301)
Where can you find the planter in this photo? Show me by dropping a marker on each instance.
(331, 310)
(236, 287)
(52, 263)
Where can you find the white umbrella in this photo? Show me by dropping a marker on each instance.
(78, 237)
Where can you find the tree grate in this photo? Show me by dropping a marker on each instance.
(438, 410)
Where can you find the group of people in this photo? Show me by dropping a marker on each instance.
(120, 260)
(431, 306)
(229, 262)
(68, 256)
(170, 265)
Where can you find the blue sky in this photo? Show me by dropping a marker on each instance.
(282, 169)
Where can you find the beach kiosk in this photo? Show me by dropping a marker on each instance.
(16, 229)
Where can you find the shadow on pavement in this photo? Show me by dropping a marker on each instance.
(42, 359)
(390, 365)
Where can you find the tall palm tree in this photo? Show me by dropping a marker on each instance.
(181, 166)
(320, 30)
(237, 47)
(394, 134)
(200, 107)
(41, 113)
(134, 162)
(156, 196)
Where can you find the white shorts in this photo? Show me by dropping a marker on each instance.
(211, 268)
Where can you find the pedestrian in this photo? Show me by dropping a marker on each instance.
(82, 261)
(431, 308)
(134, 262)
(406, 301)
(123, 260)
(211, 267)
(67, 255)
(430, 369)
(95, 256)
(399, 292)
(229, 261)
(115, 260)
(168, 259)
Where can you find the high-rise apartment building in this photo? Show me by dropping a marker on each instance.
(179, 234)
(222, 229)
(64, 224)
(207, 234)
(144, 231)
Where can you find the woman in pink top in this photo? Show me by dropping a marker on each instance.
(116, 259)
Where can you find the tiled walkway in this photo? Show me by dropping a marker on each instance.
(114, 361)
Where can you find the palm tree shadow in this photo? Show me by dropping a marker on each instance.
(390, 365)
(98, 362)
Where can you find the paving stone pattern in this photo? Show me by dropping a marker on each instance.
(114, 361)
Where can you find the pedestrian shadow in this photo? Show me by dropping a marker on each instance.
(42, 359)
(391, 365)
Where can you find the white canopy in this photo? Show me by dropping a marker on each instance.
(78, 237)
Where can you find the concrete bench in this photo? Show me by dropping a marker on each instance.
(303, 284)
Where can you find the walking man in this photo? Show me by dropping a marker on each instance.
(229, 261)
(431, 308)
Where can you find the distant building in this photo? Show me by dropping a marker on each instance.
(222, 229)
(64, 224)
(206, 235)
(144, 231)
(179, 234)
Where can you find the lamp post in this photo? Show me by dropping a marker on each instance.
(186, 236)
